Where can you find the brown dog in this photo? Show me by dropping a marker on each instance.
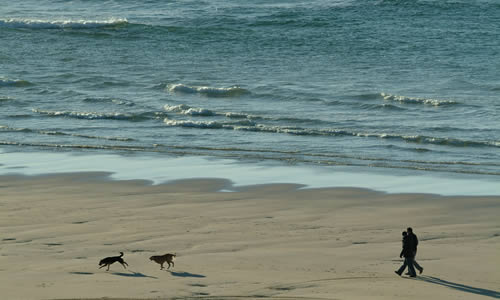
(161, 259)
(108, 261)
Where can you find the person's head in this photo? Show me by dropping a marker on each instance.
(405, 233)
(409, 229)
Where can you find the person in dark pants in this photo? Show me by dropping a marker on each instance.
(407, 252)
(414, 243)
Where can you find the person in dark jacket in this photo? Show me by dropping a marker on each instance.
(407, 252)
(414, 243)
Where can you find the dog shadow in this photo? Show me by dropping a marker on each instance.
(133, 274)
(460, 287)
(186, 274)
(81, 273)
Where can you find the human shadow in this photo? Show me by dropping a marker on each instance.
(133, 274)
(186, 274)
(460, 287)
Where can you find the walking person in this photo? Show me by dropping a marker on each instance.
(414, 243)
(407, 252)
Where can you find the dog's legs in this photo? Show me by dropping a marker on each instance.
(102, 266)
(123, 264)
(161, 266)
(108, 268)
(173, 265)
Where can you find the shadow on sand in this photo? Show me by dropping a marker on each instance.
(133, 274)
(460, 287)
(81, 273)
(186, 274)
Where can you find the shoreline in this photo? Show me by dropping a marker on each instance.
(159, 169)
(274, 241)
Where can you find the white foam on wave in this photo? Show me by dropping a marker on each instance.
(207, 124)
(247, 125)
(413, 100)
(206, 90)
(84, 115)
(187, 110)
(184, 109)
(58, 24)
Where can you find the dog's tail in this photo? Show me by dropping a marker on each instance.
(121, 254)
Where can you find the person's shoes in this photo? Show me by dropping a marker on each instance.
(407, 273)
(413, 276)
(397, 273)
(421, 270)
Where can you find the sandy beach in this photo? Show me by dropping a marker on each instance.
(279, 241)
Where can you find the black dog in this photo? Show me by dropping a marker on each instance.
(112, 259)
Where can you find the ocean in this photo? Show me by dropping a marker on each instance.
(381, 85)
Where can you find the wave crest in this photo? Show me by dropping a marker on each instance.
(184, 109)
(61, 24)
(412, 100)
(98, 115)
(54, 132)
(233, 91)
(207, 124)
(187, 110)
(13, 82)
(247, 125)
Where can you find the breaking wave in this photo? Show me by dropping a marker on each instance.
(411, 100)
(208, 124)
(233, 91)
(184, 109)
(55, 132)
(100, 116)
(61, 24)
(251, 126)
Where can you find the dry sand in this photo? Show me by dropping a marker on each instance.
(264, 242)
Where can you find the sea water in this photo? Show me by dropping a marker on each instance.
(387, 86)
